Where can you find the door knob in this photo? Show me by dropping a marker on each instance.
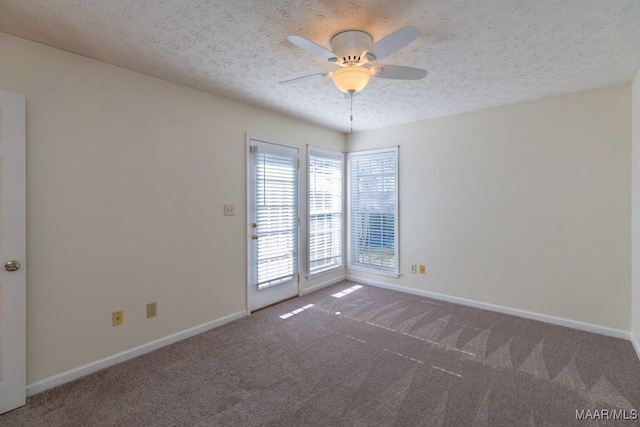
(12, 265)
(255, 237)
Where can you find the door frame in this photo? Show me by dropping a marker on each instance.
(248, 163)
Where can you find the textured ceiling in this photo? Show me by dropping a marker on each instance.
(479, 53)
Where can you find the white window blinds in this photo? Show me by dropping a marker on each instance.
(373, 204)
(325, 210)
(276, 218)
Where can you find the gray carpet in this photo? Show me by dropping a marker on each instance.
(370, 358)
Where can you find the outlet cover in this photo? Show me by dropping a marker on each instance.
(229, 210)
(414, 268)
(152, 309)
(423, 269)
(117, 317)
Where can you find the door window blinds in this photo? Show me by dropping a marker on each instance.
(277, 218)
(325, 210)
(373, 203)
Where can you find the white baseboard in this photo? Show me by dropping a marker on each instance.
(603, 330)
(636, 345)
(90, 368)
(322, 285)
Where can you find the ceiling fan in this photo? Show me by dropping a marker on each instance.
(354, 52)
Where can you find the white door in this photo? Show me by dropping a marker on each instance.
(272, 213)
(12, 252)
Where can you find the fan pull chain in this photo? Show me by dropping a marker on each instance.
(351, 111)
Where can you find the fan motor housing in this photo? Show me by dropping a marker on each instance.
(349, 45)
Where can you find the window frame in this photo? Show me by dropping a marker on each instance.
(395, 270)
(335, 155)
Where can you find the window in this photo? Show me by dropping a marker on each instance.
(325, 210)
(373, 210)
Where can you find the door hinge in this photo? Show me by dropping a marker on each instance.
(298, 279)
(253, 148)
(298, 163)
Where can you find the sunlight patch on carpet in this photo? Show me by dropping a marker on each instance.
(347, 291)
(296, 311)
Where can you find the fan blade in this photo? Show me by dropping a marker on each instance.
(312, 47)
(392, 42)
(303, 78)
(398, 72)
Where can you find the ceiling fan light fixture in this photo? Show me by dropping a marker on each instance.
(351, 79)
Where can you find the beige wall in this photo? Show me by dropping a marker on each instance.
(525, 206)
(126, 179)
(635, 248)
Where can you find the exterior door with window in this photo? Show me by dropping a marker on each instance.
(272, 213)
(12, 252)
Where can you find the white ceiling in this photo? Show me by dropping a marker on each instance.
(479, 53)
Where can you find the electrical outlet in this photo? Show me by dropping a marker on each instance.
(414, 268)
(117, 317)
(152, 309)
(423, 269)
(229, 210)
